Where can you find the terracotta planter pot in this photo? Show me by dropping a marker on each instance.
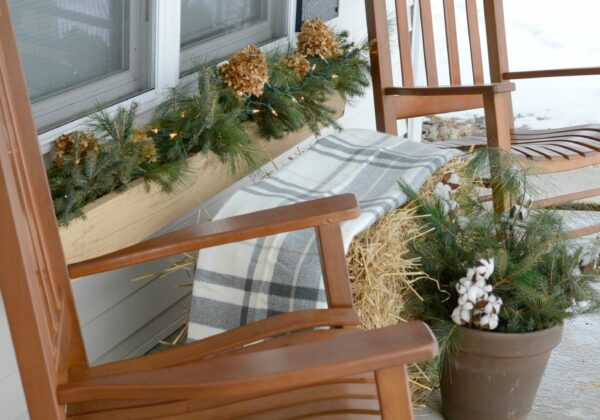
(497, 376)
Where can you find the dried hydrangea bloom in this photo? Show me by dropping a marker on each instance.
(246, 71)
(297, 63)
(76, 142)
(147, 149)
(317, 39)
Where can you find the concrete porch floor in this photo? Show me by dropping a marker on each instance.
(570, 388)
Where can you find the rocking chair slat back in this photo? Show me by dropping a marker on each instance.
(428, 43)
(474, 41)
(452, 42)
(404, 39)
(34, 279)
(411, 106)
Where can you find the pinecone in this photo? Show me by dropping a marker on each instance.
(247, 71)
(298, 63)
(317, 39)
(78, 143)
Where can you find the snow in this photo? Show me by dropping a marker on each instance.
(541, 34)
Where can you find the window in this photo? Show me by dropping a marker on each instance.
(78, 53)
(213, 29)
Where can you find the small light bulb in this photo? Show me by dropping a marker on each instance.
(172, 135)
(274, 112)
(255, 111)
(154, 130)
(334, 76)
(314, 67)
(294, 100)
(182, 115)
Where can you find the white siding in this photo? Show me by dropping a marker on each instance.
(122, 318)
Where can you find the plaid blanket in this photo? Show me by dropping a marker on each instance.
(241, 283)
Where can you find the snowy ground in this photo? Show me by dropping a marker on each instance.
(542, 34)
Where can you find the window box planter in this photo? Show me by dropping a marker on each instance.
(121, 219)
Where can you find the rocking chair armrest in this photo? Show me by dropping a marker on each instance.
(320, 212)
(535, 74)
(488, 89)
(247, 375)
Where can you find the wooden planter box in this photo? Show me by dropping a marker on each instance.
(122, 219)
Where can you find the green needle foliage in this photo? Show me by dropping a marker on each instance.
(291, 102)
(540, 274)
(201, 117)
(207, 119)
(119, 157)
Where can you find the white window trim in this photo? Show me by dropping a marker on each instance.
(166, 46)
(49, 111)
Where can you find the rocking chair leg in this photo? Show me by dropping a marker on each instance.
(394, 393)
(498, 126)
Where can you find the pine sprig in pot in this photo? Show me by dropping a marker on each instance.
(500, 287)
(535, 267)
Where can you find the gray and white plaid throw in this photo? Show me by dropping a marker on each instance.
(241, 283)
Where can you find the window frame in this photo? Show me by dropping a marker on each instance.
(55, 110)
(258, 33)
(166, 73)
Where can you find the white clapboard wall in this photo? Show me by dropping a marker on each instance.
(121, 318)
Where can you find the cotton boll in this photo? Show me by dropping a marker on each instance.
(489, 308)
(525, 200)
(493, 322)
(588, 262)
(488, 288)
(445, 208)
(456, 316)
(442, 191)
(462, 299)
(461, 289)
(465, 282)
(453, 180)
(453, 205)
(576, 272)
(484, 320)
(471, 274)
(519, 212)
(468, 306)
(465, 315)
(473, 293)
(463, 223)
(485, 267)
(481, 270)
(480, 282)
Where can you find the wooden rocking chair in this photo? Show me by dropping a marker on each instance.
(288, 366)
(541, 151)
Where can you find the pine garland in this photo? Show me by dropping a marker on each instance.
(280, 93)
(118, 158)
